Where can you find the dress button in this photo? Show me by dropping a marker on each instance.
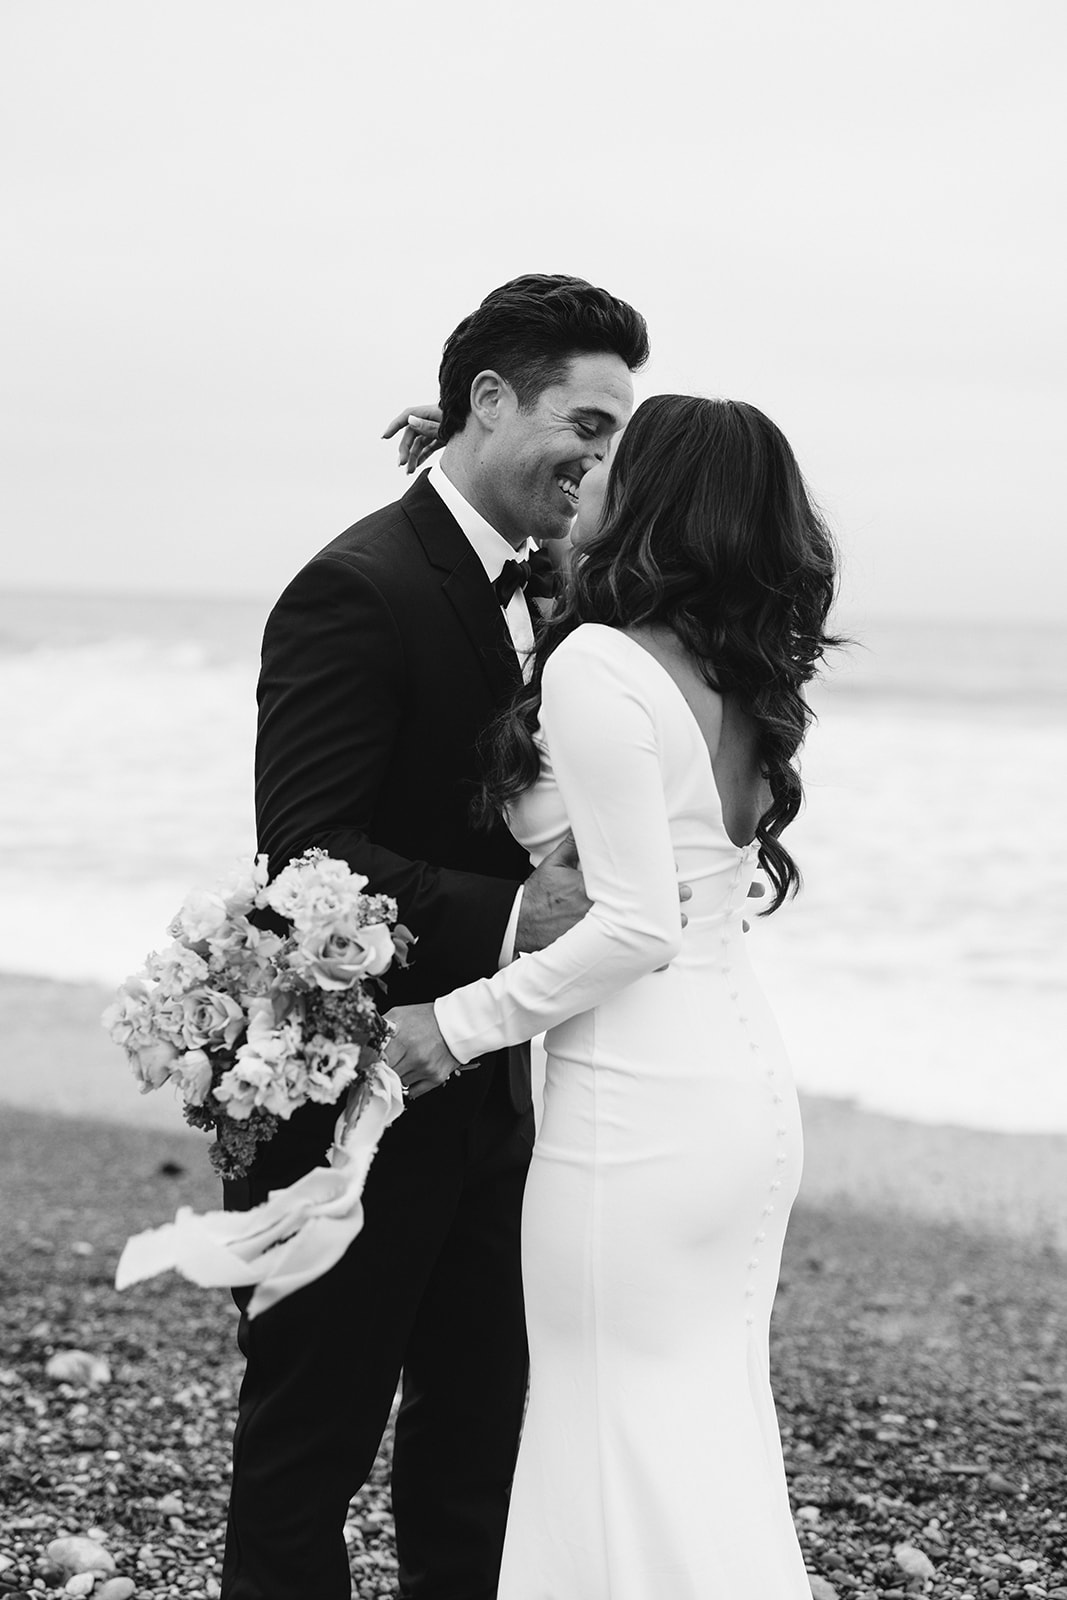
(776, 1184)
(777, 1099)
(782, 1130)
(760, 1238)
(750, 1320)
(749, 1292)
(753, 1045)
(766, 1212)
(753, 1264)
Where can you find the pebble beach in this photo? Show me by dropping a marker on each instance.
(919, 1349)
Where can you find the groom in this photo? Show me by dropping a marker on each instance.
(383, 661)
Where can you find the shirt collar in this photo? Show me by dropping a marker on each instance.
(491, 548)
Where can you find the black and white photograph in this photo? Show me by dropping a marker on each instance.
(533, 735)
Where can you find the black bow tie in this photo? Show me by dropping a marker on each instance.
(537, 576)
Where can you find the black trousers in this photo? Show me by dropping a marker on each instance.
(431, 1288)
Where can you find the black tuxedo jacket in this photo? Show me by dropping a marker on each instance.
(383, 661)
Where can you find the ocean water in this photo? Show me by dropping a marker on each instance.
(922, 971)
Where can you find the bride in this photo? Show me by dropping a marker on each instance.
(659, 726)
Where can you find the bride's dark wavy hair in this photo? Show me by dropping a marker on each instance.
(707, 529)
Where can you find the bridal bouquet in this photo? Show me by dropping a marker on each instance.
(251, 1025)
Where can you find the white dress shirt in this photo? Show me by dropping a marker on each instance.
(493, 550)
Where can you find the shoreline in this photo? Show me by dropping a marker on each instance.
(56, 1061)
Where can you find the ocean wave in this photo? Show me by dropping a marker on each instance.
(921, 964)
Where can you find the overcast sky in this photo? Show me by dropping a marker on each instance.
(238, 232)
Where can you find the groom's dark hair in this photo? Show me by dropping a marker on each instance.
(528, 330)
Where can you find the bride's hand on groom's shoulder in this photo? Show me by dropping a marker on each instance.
(418, 440)
(417, 1051)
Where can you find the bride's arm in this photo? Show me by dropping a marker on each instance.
(602, 736)
(418, 441)
(419, 427)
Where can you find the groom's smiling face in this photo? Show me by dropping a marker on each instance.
(534, 458)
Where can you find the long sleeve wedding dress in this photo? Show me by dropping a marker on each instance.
(670, 1153)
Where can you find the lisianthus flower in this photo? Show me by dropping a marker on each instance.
(177, 969)
(332, 1064)
(241, 892)
(313, 890)
(128, 1015)
(203, 916)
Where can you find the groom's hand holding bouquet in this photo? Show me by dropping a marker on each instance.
(251, 1025)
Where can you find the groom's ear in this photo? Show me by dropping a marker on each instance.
(491, 397)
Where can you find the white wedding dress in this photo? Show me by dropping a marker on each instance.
(650, 1466)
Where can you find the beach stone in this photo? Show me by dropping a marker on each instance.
(912, 1562)
(821, 1589)
(81, 1584)
(171, 1505)
(115, 1589)
(77, 1554)
(78, 1367)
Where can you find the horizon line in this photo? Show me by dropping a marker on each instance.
(850, 617)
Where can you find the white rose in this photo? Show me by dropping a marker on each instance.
(194, 1073)
(335, 957)
(153, 1063)
(210, 1017)
(377, 941)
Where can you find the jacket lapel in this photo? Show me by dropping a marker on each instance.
(465, 586)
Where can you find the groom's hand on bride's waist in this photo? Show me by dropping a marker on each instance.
(554, 899)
